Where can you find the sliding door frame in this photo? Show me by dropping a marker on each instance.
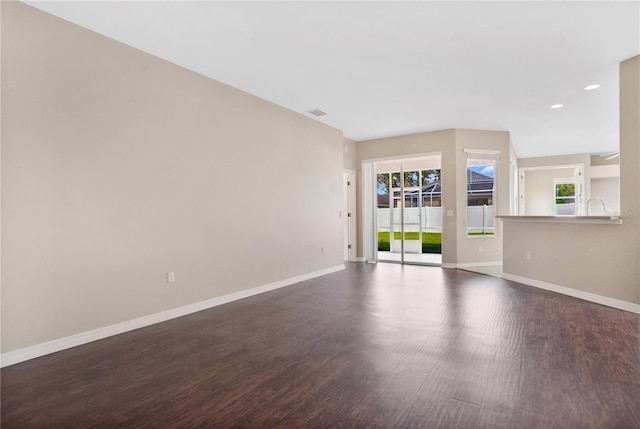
(369, 215)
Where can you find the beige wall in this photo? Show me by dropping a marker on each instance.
(539, 190)
(118, 167)
(607, 188)
(468, 248)
(630, 161)
(350, 155)
(547, 161)
(599, 259)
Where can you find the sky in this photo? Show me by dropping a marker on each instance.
(487, 170)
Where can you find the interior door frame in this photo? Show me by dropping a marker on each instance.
(349, 214)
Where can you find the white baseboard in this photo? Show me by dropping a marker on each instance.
(470, 264)
(478, 264)
(587, 296)
(21, 355)
(359, 259)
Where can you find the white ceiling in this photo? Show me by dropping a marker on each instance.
(390, 68)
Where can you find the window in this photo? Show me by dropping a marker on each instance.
(481, 172)
(431, 188)
(565, 197)
(383, 190)
(411, 179)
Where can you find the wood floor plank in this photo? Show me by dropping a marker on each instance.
(373, 346)
(440, 414)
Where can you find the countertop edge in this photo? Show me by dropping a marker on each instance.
(607, 220)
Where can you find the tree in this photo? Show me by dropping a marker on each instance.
(411, 178)
(564, 190)
(395, 180)
(383, 183)
(430, 176)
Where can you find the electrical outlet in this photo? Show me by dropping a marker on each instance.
(479, 249)
(528, 254)
(171, 277)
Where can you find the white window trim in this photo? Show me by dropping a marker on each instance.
(492, 156)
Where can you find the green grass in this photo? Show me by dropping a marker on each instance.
(431, 241)
(481, 233)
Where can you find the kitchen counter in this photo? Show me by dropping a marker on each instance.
(611, 220)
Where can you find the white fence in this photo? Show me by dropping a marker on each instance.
(479, 219)
(429, 219)
(565, 209)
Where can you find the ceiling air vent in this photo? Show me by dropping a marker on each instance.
(316, 112)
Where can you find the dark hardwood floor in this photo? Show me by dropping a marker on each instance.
(373, 346)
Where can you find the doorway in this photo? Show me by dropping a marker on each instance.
(408, 210)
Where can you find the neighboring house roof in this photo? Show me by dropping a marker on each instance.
(478, 184)
(434, 188)
(474, 176)
(383, 199)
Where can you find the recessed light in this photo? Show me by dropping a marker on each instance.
(557, 106)
(590, 87)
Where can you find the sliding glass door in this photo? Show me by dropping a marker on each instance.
(408, 210)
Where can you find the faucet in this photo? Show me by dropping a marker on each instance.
(604, 206)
